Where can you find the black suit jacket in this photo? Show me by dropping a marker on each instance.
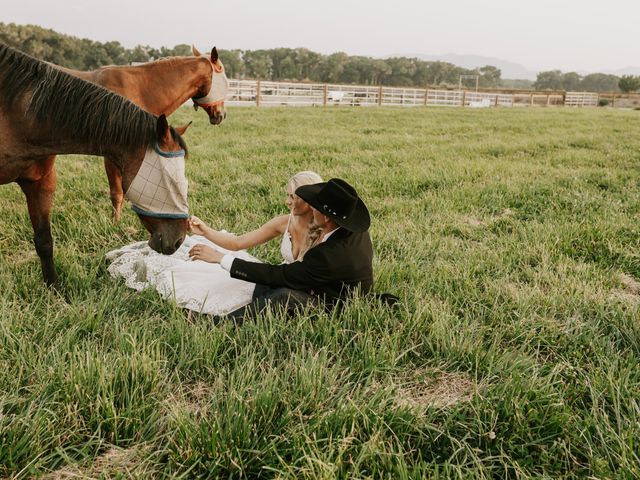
(330, 269)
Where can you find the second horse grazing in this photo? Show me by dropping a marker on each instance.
(161, 87)
(45, 111)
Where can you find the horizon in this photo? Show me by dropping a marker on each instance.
(354, 30)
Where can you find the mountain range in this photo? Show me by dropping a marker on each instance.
(510, 70)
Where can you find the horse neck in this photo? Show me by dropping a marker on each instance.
(124, 157)
(41, 141)
(159, 87)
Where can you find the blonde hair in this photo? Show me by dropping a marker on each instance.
(306, 177)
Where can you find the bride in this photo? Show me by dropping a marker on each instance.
(206, 287)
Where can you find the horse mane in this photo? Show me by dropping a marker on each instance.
(85, 110)
(158, 62)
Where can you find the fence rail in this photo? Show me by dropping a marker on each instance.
(268, 93)
(581, 99)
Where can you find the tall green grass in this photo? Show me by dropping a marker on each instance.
(511, 236)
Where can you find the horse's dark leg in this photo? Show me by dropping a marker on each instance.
(115, 188)
(39, 195)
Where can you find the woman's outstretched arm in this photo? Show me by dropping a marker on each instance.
(274, 227)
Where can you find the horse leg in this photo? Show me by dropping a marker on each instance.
(115, 188)
(39, 195)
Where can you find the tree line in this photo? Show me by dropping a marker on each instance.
(296, 64)
(278, 64)
(593, 82)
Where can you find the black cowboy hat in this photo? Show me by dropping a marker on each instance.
(339, 201)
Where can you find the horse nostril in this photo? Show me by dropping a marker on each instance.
(177, 244)
(156, 242)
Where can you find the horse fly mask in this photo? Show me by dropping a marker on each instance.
(219, 88)
(159, 189)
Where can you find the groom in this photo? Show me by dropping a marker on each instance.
(330, 271)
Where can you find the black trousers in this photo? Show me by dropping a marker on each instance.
(266, 297)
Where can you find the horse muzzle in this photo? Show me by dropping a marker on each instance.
(217, 118)
(165, 244)
(166, 235)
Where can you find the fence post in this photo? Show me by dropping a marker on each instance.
(496, 104)
(613, 100)
(325, 95)
(531, 99)
(548, 99)
(258, 94)
(464, 98)
(426, 94)
(380, 96)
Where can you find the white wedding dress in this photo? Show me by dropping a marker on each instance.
(195, 285)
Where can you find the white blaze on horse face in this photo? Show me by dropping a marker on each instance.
(219, 87)
(159, 189)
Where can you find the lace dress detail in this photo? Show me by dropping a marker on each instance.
(195, 285)
(286, 247)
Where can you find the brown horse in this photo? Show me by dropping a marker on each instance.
(45, 111)
(161, 87)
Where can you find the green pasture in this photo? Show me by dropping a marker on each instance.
(511, 235)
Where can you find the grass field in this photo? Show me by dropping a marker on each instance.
(512, 236)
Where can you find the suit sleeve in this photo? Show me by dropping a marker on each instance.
(312, 271)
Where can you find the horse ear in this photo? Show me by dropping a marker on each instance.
(162, 129)
(195, 51)
(182, 129)
(214, 55)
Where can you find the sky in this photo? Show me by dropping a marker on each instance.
(580, 35)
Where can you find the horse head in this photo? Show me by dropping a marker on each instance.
(212, 101)
(158, 189)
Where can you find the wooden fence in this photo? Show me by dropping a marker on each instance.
(581, 99)
(267, 93)
(621, 100)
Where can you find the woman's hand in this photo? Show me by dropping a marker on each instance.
(197, 226)
(205, 253)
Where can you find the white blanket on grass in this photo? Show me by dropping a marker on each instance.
(195, 285)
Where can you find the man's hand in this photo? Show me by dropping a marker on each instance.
(205, 253)
(197, 226)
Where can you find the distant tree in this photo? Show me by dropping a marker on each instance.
(468, 82)
(282, 63)
(402, 71)
(258, 64)
(571, 81)
(332, 67)
(599, 82)
(629, 83)
(352, 71)
(440, 73)
(516, 83)
(139, 54)
(421, 74)
(232, 61)
(95, 55)
(549, 80)
(43, 43)
(180, 50)
(155, 53)
(289, 69)
(116, 53)
(8, 34)
(489, 76)
(308, 63)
